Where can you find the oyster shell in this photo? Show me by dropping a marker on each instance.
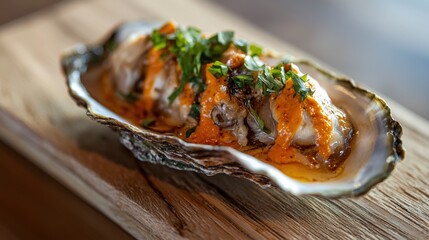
(376, 149)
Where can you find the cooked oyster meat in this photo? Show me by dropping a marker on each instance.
(218, 90)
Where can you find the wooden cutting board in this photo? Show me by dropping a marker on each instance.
(39, 119)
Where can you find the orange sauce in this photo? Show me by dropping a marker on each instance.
(287, 107)
(322, 125)
(307, 174)
(155, 64)
(187, 95)
(288, 110)
(295, 169)
(207, 132)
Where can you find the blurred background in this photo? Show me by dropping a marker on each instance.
(382, 44)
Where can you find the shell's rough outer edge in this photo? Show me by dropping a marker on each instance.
(175, 153)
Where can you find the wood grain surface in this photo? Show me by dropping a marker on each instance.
(39, 119)
(35, 206)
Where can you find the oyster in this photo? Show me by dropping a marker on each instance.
(375, 147)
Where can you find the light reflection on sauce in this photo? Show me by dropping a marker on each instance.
(297, 170)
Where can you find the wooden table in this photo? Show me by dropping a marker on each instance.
(39, 119)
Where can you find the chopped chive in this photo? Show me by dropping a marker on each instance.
(190, 131)
(218, 69)
(255, 115)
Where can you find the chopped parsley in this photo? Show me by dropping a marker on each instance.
(299, 85)
(273, 79)
(253, 63)
(243, 80)
(190, 131)
(192, 51)
(195, 111)
(278, 72)
(218, 69)
(258, 119)
(188, 46)
(255, 50)
(249, 49)
(242, 45)
(218, 44)
(159, 41)
(268, 82)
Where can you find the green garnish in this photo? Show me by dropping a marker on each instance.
(278, 72)
(258, 119)
(253, 63)
(255, 50)
(243, 80)
(192, 50)
(218, 44)
(273, 79)
(195, 111)
(249, 49)
(190, 131)
(176, 92)
(218, 69)
(147, 122)
(299, 85)
(188, 46)
(159, 41)
(268, 82)
(242, 45)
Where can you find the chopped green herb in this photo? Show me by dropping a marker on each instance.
(225, 38)
(242, 45)
(176, 92)
(190, 131)
(299, 85)
(188, 46)
(147, 122)
(218, 44)
(255, 115)
(159, 41)
(192, 50)
(250, 49)
(218, 69)
(253, 63)
(268, 82)
(278, 72)
(195, 111)
(243, 80)
(255, 50)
